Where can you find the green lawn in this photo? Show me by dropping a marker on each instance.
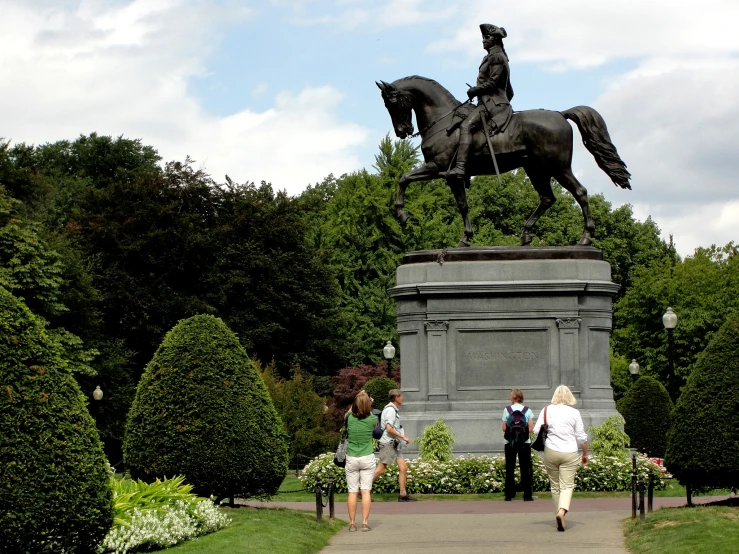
(292, 483)
(707, 529)
(266, 530)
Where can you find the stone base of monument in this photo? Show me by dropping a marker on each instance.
(476, 322)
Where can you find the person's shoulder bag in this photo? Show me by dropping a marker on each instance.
(340, 456)
(542, 436)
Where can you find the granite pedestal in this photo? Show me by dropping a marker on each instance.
(476, 322)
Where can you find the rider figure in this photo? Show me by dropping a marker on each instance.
(493, 89)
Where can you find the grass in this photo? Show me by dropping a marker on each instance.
(704, 529)
(265, 530)
(292, 483)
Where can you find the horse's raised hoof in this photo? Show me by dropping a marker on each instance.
(463, 243)
(526, 239)
(403, 217)
(585, 240)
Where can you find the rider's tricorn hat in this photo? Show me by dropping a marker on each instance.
(492, 31)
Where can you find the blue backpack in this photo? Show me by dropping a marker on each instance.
(517, 428)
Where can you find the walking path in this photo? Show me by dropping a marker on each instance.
(472, 527)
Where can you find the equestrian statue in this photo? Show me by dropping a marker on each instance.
(460, 140)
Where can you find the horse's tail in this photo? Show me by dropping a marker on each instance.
(596, 139)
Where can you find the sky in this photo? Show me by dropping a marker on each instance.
(284, 91)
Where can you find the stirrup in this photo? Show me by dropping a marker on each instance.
(456, 173)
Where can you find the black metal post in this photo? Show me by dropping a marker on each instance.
(689, 494)
(331, 498)
(319, 500)
(389, 361)
(650, 492)
(671, 358)
(633, 486)
(641, 500)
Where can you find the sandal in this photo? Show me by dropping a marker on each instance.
(352, 527)
(560, 522)
(366, 527)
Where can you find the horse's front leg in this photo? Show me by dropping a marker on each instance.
(424, 173)
(460, 195)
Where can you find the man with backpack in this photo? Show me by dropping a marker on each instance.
(518, 423)
(391, 442)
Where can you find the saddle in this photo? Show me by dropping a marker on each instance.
(503, 142)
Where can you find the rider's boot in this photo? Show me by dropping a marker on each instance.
(459, 171)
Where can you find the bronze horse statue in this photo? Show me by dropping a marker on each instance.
(539, 141)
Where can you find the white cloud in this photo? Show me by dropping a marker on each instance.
(584, 33)
(346, 15)
(676, 125)
(124, 68)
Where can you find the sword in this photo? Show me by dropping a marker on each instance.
(490, 143)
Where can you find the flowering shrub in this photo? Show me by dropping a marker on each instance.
(158, 515)
(483, 474)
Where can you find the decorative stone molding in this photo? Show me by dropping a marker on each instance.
(568, 323)
(436, 325)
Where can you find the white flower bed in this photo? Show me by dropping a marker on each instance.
(158, 515)
(484, 474)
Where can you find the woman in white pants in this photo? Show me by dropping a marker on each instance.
(561, 456)
(360, 459)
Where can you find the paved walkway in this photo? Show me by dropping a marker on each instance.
(473, 527)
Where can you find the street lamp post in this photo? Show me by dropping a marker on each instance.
(389, 353)
(669, 320)
(634, 370)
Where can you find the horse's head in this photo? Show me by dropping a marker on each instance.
(399, 105)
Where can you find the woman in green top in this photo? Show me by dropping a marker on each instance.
(360, 458)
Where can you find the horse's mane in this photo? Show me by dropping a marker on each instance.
(449, 96)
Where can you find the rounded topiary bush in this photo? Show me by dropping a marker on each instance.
(55, 493)
(378, 389)
(203, 411)
(703, 442)
(646, 407)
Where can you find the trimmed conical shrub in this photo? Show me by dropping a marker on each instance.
(703, 443)
(55, 493)
(202, 410)
(646, 407)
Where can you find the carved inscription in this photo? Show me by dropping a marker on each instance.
(486, 355)
(500, 358)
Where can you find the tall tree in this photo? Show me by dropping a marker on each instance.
(700, 289)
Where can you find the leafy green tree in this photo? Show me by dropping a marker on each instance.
(646, 407)
(700, 289)
(702, 444)
(31, 270)
(202, 410)
(276, 292)
(307, 419)
(54, 480)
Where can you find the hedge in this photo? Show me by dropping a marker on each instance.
(646, 407)
(55, 494)
(202, 410)
(703, 443)
(379, 389)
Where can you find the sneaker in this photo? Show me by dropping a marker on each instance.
(406, 498)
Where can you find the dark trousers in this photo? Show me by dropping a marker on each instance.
(524, 462)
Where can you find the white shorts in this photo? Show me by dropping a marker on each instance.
(359, 472)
